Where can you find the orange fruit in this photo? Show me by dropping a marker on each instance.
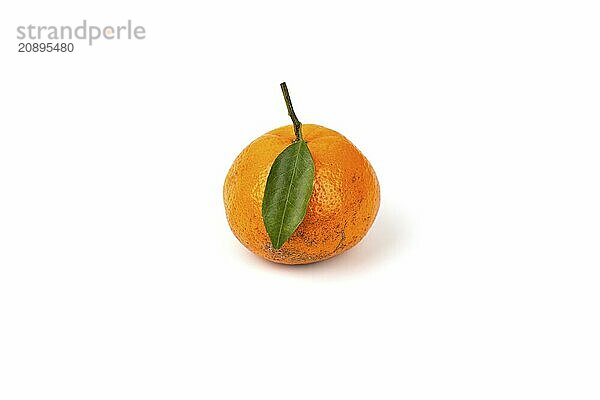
(342, 207)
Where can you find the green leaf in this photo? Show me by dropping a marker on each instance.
(288, 189)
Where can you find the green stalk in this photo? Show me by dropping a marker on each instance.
(291, 113)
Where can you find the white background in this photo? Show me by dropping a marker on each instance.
(120, 279)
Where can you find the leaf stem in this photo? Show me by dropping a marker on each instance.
(291, 113)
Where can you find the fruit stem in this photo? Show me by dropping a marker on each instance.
(291, 113)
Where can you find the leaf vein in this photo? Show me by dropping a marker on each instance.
(288, 194)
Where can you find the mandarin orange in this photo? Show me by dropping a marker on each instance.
(342, 207)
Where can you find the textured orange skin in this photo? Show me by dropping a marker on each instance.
(342, 208)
